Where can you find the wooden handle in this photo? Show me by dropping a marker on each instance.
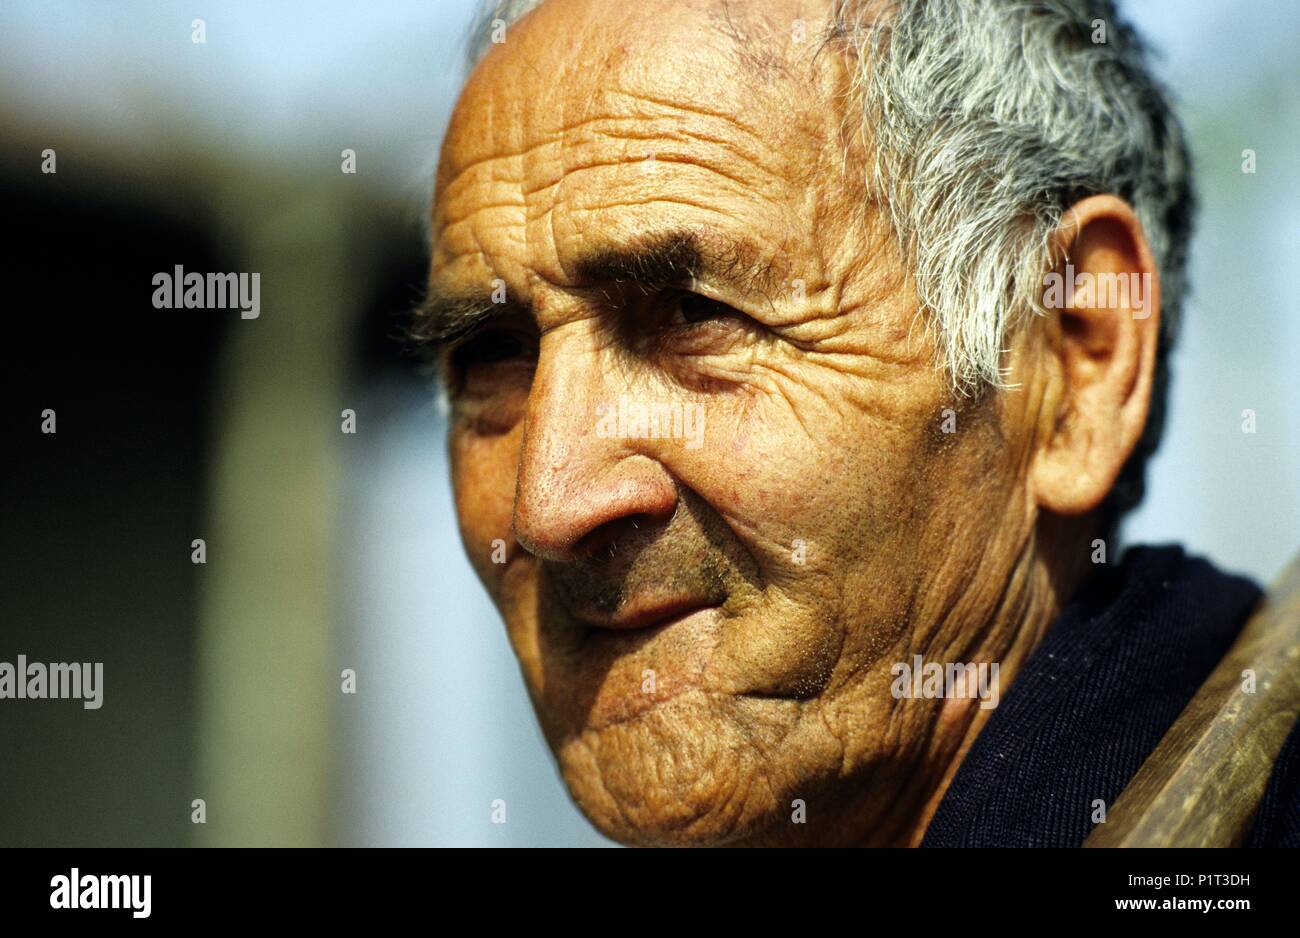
(1202, 784)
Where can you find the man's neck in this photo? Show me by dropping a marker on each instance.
(1048, 570)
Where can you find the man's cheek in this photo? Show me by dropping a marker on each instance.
(483, 481)
(769, 475)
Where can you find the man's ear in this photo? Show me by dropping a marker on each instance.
(1105, 293)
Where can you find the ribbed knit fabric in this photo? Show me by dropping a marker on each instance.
(1277, 823)
(1091, 702)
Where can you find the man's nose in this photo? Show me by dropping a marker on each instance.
(577, 489)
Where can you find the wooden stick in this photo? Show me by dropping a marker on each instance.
(1202, 784)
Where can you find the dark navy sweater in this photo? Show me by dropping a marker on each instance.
(1089, 705)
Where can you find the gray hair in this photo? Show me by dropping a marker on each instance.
(987, 119)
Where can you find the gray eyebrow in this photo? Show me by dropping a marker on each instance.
(441, 319)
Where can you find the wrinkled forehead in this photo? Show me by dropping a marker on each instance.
(743, 69)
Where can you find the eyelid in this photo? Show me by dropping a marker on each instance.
(748, 305)
(454, 372)
(728, 308)
(527, 344)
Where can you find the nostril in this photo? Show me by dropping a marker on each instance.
(611, 533)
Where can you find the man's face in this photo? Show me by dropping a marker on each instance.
(706, 620)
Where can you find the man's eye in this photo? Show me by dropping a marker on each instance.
(493, 365)
(489, 348)
(693, 308)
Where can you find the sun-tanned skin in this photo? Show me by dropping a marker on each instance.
(707, 633)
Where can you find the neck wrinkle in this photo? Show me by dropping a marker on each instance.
(1050, 564)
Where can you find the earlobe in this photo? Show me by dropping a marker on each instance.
(1105, 295)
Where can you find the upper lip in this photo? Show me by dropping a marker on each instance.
(641, 613)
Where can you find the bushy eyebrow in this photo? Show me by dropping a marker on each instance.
(674, 258)
(670, 259)
(440, 320)
(677, 258)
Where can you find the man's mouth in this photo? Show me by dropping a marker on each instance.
(642, 613)
(609, 667)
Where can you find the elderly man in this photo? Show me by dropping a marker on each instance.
(803, 356)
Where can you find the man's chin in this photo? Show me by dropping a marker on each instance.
(683, 772)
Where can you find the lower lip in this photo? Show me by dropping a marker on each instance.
(644, 626)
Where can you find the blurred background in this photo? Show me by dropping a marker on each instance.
(329, 551)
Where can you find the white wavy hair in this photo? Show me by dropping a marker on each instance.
(987, 119)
